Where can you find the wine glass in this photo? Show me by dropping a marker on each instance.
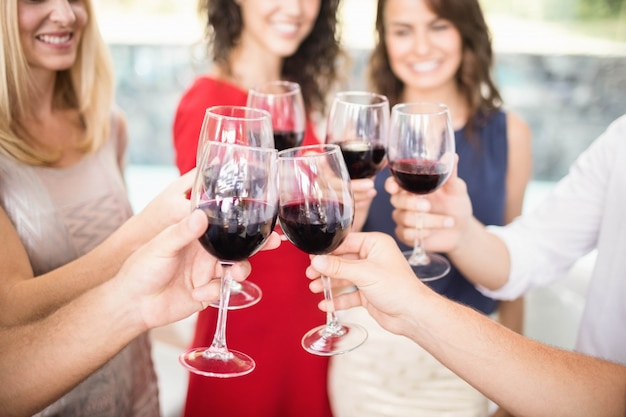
(358, 122)
(283, 100)
(421, 155)
(245, 126)
(236, 187)
(316, 211)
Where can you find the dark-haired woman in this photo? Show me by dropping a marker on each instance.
(437, 50)
(252, 42)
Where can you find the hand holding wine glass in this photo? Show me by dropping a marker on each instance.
(283, 100)
(236, 187)
(316, 211)
(245, 126)
(421, 155)
(358, 122)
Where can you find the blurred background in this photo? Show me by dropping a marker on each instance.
(560, 64)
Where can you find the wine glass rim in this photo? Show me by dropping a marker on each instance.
(258, 149)
(343, 97)
(238, 113)
(291, 88)
(426, 107)
(301, 152)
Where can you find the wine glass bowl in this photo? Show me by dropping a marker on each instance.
(358, 122)
(236, 188)
(283, 100)
(316, 211)
(421, 156)
(236, 124)
(245, 126)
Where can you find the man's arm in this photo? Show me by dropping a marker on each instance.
(168, 279)
(525, 377)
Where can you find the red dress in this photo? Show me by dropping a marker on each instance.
(287, 380)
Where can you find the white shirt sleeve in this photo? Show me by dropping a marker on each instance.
(543, 244)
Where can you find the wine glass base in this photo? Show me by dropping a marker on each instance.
(220, 365)
(247, 295)
(435, 268)
(320, 341)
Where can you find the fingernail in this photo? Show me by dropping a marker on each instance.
(448, 222)
(319, 262)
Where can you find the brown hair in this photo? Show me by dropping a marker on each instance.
(474, 74)
(313, 65)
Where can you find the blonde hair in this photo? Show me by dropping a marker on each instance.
(88, 86)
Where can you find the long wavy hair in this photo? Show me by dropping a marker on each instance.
(313, 65)
(473, 77)
(88, 86)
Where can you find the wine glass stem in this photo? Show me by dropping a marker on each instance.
(219, 339)
(235, 286)
(418, 257)
(333, 327)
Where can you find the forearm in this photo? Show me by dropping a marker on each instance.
(482, 257)
(523, 376)
(42, 361)
(33, 299)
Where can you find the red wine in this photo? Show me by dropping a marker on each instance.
(285, 140)
(419, 176)
(237, 227)
(363, 159)
(316, 228)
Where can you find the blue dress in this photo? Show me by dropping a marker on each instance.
(482, 165)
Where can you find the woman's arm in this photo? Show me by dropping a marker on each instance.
(23, 299)
(519, 169)
(478, 254)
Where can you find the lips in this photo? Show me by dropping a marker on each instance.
(55, 39)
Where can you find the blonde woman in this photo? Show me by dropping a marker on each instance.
(65, 220)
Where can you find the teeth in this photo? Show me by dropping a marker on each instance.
(286, 27)
(55, 40)
(424, 66)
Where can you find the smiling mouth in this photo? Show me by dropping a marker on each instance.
(425, 66)
(55, 40)
(286, 28)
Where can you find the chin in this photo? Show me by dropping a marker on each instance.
(285, 49)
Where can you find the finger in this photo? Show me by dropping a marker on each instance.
(272, 242)
(351, 245)
(364, 196)
(342, 302)
(174, 238)
(207, 293)
(362, 185)
(317, 286)
(454, 184)
(183, 184)
(240, 270)
(355, 243)
(391, 186)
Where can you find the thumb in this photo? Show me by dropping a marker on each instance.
(177, 236)
(453, 180)
(337, 268)
(183, 184)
